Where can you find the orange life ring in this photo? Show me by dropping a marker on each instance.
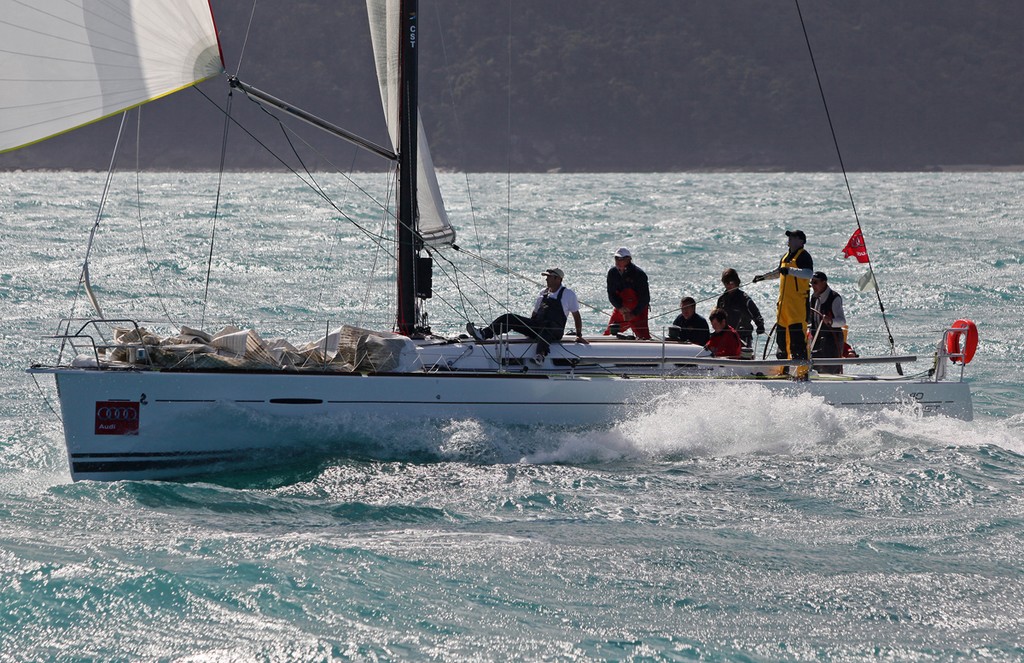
(960, 327)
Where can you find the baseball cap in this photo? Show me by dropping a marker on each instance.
(623, 252)
(796, 233)
(553, 272)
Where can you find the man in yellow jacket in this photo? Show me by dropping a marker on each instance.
(794, 272)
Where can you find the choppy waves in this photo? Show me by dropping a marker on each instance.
(720, 523)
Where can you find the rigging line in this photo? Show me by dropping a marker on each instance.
(323, 156)
(320, 154)
(216, 204)
(502, 268)
(522, 277)
(315, 185)
(151, 271)
(290, 169)
(46, 400)
(245, 41)
(312, 181)
(699, 301)
(486, 261)
(377, 241)
(446, 303)
(497, 265)
(323, 193)
(508, 169)
(460, 135)
(83, 279)
(467, 303)
(333, 244)
(846, 179)
(384, 223)
(490, 297)
(320, 190)
(458, 288)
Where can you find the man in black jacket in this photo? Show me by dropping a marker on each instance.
(689, 326)
(741, 310)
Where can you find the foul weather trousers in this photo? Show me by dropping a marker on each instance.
(639, 322)
(792, 341)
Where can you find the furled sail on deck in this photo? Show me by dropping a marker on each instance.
(385, 32)
(65, 64)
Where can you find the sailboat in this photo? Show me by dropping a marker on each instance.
(136, 405)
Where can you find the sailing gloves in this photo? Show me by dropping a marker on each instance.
(761, 277)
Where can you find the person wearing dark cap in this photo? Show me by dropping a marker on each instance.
(794, 273)
(551, 311)
(827, 321)
(630, 294)
(689, 326)
(741, 309)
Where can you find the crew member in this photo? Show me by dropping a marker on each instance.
(630, 294)
(794, 273)
(827, 321)
(724, 341)
(689, 326)
(551, 311)
(741, 309)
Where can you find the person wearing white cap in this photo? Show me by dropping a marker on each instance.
(630, 294)
(551, 311)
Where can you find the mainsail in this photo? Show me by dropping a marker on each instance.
(66, 64)
(385, 31)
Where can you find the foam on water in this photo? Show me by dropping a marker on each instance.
(729, 419)
(710, 420)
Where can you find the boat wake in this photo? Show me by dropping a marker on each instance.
(732, 420)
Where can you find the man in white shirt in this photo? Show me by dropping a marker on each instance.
(551, 311)
(827, 321)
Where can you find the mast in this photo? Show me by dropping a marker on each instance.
(408, 249)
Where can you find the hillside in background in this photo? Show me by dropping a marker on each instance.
(610, 86)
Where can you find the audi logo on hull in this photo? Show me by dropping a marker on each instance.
(117, 418)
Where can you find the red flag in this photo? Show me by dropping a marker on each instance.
(855, 247)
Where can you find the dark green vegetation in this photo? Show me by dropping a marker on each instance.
(603, 85)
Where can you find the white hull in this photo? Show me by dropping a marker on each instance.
(128, 424)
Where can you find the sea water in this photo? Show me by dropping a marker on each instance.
(724, 523)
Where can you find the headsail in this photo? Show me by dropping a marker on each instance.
(385, 31)
(69, 63)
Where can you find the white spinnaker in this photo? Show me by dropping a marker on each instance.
(66, 63)
(385, 32)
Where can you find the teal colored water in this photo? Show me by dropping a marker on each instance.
(726, 524)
